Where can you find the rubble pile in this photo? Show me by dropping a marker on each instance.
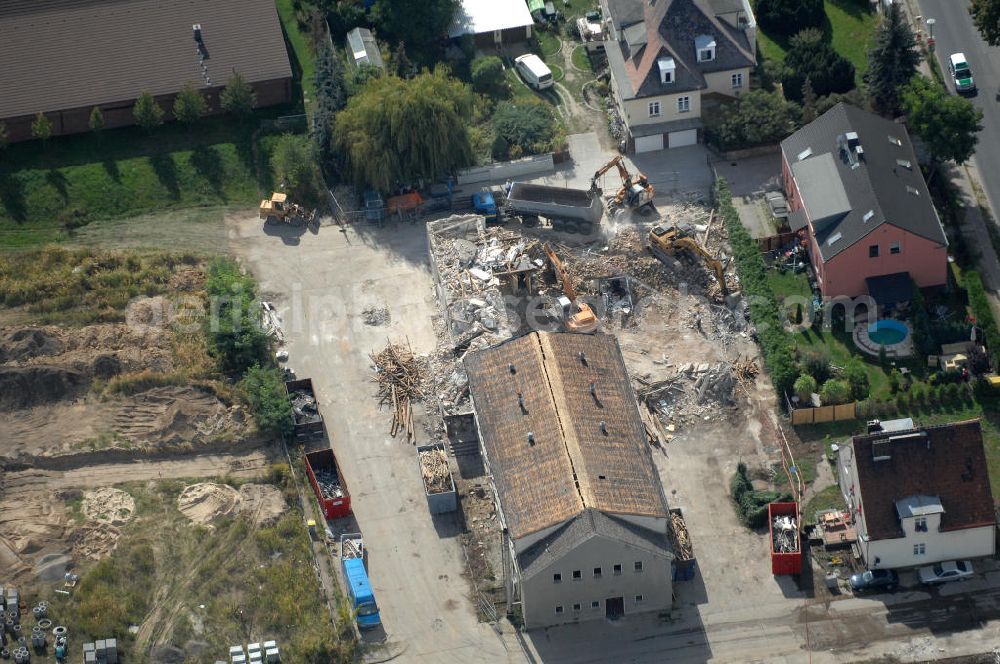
(400, 376)
(376, 316)
(434, 468)
(716, 384)
(681, 539)
(785, 535)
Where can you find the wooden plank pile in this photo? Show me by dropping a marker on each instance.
(682, 541)
(400, 375)
(434, 468)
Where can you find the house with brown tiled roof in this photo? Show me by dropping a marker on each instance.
(919, 495)
(668, 57)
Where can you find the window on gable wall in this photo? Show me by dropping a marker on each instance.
(654, 109)
(737, 80)
(683, 104)
(920, 524)
(873, 251)
(894, 248)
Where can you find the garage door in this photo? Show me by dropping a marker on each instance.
(679, 139)
(649, 143)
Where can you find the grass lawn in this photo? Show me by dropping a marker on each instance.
(77, 180)
(520, 91)
(850, 24)
(581, 60)
(548, 43)
(303, 60)
(829, 498)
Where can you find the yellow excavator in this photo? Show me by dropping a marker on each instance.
(580, 318)
(278, 208)
(666, 242)
(635, 193)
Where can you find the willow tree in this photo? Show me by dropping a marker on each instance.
(395, 130)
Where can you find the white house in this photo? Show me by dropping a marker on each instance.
(919, 495)
(580, 502)
(667, 56)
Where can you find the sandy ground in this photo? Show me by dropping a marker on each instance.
(108, 505)
(205, 502)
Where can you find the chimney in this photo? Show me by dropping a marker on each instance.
(583, 358)
(196, 29)
(531, 439)
(604, 427)
(511, 368)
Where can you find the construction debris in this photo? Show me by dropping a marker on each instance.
(271, 322)
(681, 539)
(786, 535)
(746, 371)
(716, 384)
(329, 483)
(304, 407)
(376, 316)
(400, 377)
(434, 467)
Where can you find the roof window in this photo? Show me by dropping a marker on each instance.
(895, 141)
(905, 163)
(868, 216)
(805, 154)
(833, 238)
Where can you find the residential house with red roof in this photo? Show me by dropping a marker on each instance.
(919, 495)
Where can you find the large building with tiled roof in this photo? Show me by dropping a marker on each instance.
(919, 495)
(667, 56)
(580, 502)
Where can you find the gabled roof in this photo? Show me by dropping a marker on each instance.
(946, 462)
(587, 525)
(64, 54)
(671, 29)
(883, 186)
(567, 464)
(476, 17)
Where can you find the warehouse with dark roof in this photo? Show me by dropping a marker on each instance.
(64, 57)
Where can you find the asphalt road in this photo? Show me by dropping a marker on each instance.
(955, 32)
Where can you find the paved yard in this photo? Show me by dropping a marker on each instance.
(749, 179)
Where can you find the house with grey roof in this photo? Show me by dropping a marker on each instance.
(854, 186)
(580, 502)
(668, 57)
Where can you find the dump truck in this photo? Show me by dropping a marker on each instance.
(328, 483)
(565, 209)
(786, 544)
(308, 421)
(354, 565)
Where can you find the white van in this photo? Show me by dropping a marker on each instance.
(534, 72)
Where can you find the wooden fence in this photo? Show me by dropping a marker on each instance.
(778, 241)
(847, 411)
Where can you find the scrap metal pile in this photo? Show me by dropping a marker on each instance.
(434, 468)
(400, 375)
(304, 407)
(328, 483)
(785, 535)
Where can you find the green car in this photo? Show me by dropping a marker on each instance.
(961, 74)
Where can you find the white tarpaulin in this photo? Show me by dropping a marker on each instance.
(476, 17)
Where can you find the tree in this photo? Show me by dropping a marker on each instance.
(147, 112)
(96, 120)
(857, 378)
(891, 62)
(422, 25)
(789, 16)
(811, 56)
(238, 98)
(265, 390)
(809, 109)
(293, 165)
(528, 125)
(756, 118)
(835, 392)
(190, 105)
(986, 16)
(395, 130)
(401, 63)
(4, 136)
(488, 76)
(947, 125)
(331, 96)
(41, 128)
(805, 385)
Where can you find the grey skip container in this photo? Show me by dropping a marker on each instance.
(441, 502)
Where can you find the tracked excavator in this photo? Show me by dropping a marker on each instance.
(635, 193)
(664, 243)
(578, 317)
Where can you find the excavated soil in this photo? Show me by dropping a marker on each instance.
(107, 505)
(205, 502)
(94, 541)
(263, 503)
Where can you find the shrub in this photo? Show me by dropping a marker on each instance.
(950, 392)
(234, 326)
(751, 505)
(756, 118)
(918, 395)
(894, 381)
(817, 364)
(293, 165)
(488, 76)
(805, 385)
(265, 391)
(901, 405)
(835, 392)
(857, 377)
(527, 125)
(811, 56)
(774, 340)
(980, 306)
(788, 16)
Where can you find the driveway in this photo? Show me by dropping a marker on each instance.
(749, 179)
(321, 283)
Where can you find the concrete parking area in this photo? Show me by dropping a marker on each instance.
(322, 284)
(749, 179)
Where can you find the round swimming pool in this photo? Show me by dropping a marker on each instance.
(887, 332)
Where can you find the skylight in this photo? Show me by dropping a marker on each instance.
(833, 238)
(913, 190)
(895, 141)
(905, 163)
(805, 154)
(868, 216)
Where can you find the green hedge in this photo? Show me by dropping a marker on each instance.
(751, 504)
(775, 341)
(982, 311)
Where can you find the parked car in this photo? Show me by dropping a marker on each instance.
(952, 570)
(961, 74)
(777, 203)
(874, 579)
(534, 72)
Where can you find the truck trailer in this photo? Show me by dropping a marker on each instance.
(308, 422)
(565, 209)
(328, 483)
